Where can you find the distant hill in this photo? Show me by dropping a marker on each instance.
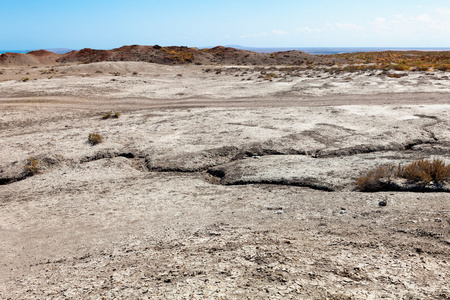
(55, 50)
(173, 55)
(184, 55)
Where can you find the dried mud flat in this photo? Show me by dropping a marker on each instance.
(219, 183)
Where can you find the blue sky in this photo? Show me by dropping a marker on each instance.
(106, 24)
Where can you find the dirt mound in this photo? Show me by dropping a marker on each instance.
(86, 55)
(175, 55)
(39, 57)
(41, 53)
(179, 55)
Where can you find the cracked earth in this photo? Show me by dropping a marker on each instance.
(249, 193)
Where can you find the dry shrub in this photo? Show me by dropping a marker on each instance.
(32, 166)
(94, 138)
(376, 178)
(394, 75)
(401, 67)
(423, 68)
(420, 172)
(111, 115)
(443, 67)
(425, 171)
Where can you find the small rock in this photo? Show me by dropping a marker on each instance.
(274, 208)
(382, 203)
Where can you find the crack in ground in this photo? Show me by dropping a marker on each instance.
(227, 154)
(306, 183)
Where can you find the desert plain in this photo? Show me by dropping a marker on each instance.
(219, 182)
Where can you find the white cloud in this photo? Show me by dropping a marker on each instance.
(380, 23)
(349, 26)
(412, 25)
(254, 35)
(425, 18)
(444, 11)
(261, 34)
(279, 32)
(307, 29)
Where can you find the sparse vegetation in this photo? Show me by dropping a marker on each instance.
(270, 76)
(32, 166)
(420, 172)
(178, 55)
(375, 179)
(25, 79)
(94, 139)
(107, 115)
(425, 171)
(111, 115)
(394, 76)
(398, 60)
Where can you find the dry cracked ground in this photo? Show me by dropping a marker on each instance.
(211, 186)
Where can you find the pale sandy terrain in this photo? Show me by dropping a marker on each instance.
(219, 182)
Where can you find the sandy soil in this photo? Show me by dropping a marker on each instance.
(219, 182)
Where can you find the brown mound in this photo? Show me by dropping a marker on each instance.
(184, 55)
(39, 57)
(173, 55)
(41, 53)
(86, 55)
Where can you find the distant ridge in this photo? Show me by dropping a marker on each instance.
(308, 50)
(220, 55)
(173, 55)
(54, 50)
(184, 55)
(335, 50)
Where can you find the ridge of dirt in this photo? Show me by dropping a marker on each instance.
(171, 55)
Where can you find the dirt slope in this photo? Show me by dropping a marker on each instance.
(163, 55)
(40, 57)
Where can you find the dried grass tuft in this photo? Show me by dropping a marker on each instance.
(32, 166)
(95, 138)
(420, 172)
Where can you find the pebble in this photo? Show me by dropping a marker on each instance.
(382, 203)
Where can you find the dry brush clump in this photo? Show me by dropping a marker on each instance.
(32, 166)
(94, 139)
(425, 171)
(420, 172)
(109, 114)
(375, 179)
(178, 55)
